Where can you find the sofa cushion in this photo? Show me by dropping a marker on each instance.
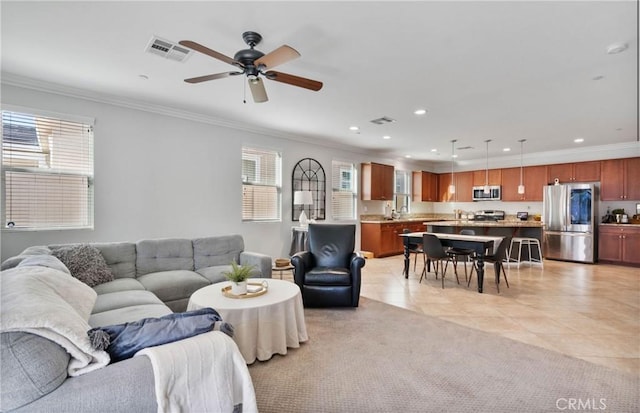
(163, 255)
(120, 257)
(214, 274)
(119, 284)
(112, 301)
(31, 367)
(85, 263)
(213, 251)
(128, 314)
(173, 285)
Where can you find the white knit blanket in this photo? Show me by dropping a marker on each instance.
(205, 373)
(54, 305)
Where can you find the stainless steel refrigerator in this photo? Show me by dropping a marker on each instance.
(569, 216)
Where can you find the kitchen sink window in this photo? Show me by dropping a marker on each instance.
(402, 193)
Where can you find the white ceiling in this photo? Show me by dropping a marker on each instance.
(484, 70)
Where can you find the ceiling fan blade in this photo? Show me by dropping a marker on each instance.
(205, 50)
(211, 77)
(277, 57)
(294, 80)
(257, 90)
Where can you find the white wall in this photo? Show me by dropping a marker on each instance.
(162, 176)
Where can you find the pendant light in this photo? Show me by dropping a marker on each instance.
(452, 187)
(486, 174)
(521, 186)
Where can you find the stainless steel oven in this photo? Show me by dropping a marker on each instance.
(494, 193)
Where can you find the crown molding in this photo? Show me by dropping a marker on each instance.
(12, 79)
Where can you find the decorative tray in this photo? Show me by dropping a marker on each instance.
(253, 290)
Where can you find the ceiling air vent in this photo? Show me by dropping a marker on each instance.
(383, 120)
(167, 49)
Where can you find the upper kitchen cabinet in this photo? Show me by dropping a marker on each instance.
(425, 187)
(574, 172)
(619, 179)
(464, 185)
(480, 177)
(534, 179)
(444, 180)
(376, 181)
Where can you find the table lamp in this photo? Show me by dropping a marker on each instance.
(303, 198)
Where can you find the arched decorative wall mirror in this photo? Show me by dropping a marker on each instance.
(308, 184)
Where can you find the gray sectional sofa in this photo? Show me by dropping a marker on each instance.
(152, 278)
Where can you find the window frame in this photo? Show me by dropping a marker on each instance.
(339, 188)
(255, 154)
(405, 195)
(87, 211)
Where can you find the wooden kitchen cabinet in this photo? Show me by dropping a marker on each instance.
(464, 186)
(619, 244)
(444, 180)
(480, 177)
(620, 180)
(376, 182)
(383, 239)
(574, 172)
(425, 186)
(534, 180)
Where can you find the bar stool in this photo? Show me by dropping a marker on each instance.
(528, 242)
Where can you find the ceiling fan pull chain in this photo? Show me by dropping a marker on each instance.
(244, 92)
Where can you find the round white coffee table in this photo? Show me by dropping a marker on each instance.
(263, 325)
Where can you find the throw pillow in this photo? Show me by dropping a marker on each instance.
(85, 263)
(122, 341)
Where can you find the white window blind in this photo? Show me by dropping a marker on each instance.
(402, 193)
(343, 196)
(261, 184)
(47, 172)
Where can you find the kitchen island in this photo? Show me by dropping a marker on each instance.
(505, 228)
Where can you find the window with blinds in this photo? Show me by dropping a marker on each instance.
(261, 184)
(402, 194)
(343, 196)
(47, 172)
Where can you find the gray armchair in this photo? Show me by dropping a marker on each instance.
(329, 273)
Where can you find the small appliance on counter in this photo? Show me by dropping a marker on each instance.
(522, 216)
(489, 215)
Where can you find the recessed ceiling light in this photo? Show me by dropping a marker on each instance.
(617, 48)
(420, 112)
(434, 150)
(578, 140)
(354, 128)
(407, 156)
(506, 149)
(386, 137)
(455, 156)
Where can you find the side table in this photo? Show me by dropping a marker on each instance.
(282, 269)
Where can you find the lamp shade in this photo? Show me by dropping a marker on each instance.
(302, 198)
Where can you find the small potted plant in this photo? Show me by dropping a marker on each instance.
(238, 276)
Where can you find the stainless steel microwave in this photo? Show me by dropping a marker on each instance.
(494, 193)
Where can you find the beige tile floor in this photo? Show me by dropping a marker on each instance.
(591, 312)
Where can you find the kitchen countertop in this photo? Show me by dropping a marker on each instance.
(621, 225)
(504, 224)
(459, 222)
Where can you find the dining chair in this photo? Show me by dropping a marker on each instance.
(437, 254)
(463, 254)
(417, 250)
(497, 259)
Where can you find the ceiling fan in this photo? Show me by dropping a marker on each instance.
(253, 64)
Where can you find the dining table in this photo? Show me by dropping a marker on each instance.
(480, 244)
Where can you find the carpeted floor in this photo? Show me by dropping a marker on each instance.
(380, 358)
